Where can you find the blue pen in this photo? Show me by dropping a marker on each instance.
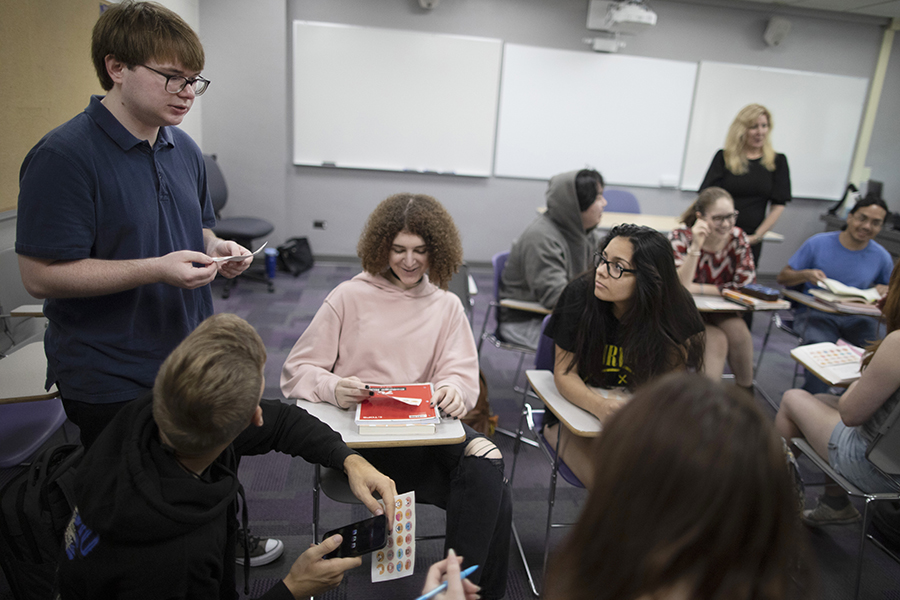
(443, 586)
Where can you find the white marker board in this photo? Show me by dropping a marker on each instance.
(560, 110)
(373, 98)
(816, 120)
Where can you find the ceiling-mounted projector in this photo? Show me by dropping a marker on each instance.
(624, 16)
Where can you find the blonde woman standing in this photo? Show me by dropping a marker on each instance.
(755, 175)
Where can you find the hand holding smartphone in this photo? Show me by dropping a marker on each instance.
(360, 538)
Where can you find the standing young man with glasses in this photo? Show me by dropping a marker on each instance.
(852, 257)
(114, 219)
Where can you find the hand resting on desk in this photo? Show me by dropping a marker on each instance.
(350, 391)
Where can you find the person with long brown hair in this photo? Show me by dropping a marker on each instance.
(753, 173)
(713, 254)
(396, 323)
(839, 428)
(691, 499)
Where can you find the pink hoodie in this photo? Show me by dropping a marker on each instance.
(383, 334)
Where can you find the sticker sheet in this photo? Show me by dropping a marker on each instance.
(829, 357)
(398, 558)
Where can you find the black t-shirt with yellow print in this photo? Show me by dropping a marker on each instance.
(604, 371)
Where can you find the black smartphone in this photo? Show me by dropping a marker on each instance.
(360, 538)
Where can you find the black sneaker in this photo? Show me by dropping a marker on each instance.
(262, 550)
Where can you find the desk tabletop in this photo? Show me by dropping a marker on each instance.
(448, 431)
(22, 375)
(661, 223)
(810, 301)
(534, 307)
(577, 420)
(707, 304)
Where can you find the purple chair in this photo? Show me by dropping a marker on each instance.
(621, 201)
(25, 426)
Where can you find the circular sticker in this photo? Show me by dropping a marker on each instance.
(408, 538)
(390, 541)
(399, 540)
(390, 567)
(408, 564)
(408, 551)
(409, 513)
(399, 527)
(398, 503)
(399, 566)
(399, 515)
(381, 569)
(408, 502)
(390, 555)
(380, 556)
(408, 525)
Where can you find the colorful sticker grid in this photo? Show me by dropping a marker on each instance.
(829, 357)
(398, 558)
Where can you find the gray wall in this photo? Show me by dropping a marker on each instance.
(247, 121)
(246, 118)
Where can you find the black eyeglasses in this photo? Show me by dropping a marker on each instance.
(613, 269)
(176, 83)
(719, 219)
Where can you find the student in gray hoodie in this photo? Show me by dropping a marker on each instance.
(553, 250)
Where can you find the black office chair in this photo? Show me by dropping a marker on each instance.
(242, 230)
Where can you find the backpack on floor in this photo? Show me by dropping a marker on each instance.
(295, 256)
(35, 509)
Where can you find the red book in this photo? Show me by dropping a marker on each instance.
(395, 404)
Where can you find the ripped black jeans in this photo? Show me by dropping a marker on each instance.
(473, 491)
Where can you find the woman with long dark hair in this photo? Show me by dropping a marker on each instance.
(618, 326)
(691, 499)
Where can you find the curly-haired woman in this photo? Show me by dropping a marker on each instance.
(395, 322)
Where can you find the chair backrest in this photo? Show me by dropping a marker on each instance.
(499, 263)
(544, 355)
(15, 331)
(459, 285)
(218, 190)
(884, 449)
(621, 201)
(25, 426)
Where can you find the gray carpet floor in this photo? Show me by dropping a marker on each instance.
(279, 489)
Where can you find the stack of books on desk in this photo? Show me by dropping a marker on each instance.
(755, 303)
(398, 409)
(847, 299)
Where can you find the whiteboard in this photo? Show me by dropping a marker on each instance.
(561, 110)
(816, 118)
(372, 98)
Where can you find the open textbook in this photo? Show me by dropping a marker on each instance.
(835, 364)
(834, 290)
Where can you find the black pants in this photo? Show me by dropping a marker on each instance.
(91, 418)
(472, 490)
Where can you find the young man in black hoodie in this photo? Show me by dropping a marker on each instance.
(157, 494)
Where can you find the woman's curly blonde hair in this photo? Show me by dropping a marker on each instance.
(735, 141)
(420, 215)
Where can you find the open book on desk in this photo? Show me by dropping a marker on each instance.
(849, 300)
(835, 364)
(398, 408)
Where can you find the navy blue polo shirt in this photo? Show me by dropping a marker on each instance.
(90, 189)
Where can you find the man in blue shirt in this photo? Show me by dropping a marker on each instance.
(852, 257)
